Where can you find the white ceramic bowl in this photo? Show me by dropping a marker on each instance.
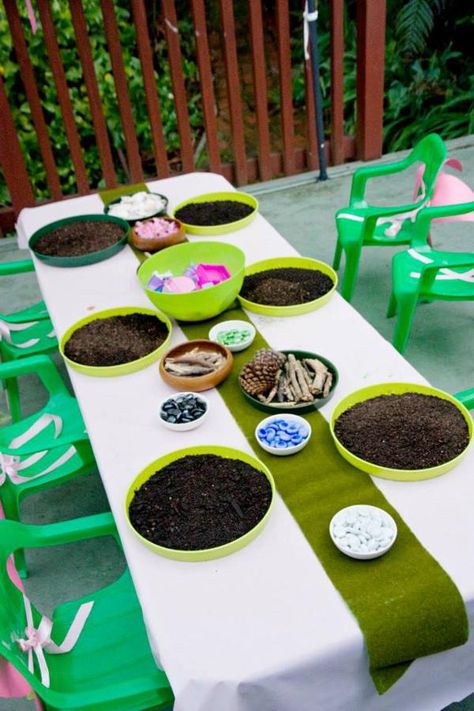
(229, 326)
(289, 418)
(183, 426)
(341, 516)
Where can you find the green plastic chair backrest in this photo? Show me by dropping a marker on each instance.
(431, 151)
(424, 218)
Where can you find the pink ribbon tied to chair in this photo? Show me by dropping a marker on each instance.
(6, 329)
(11, 465)
(38, 639)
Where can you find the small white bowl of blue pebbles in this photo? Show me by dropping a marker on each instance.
(283, 434)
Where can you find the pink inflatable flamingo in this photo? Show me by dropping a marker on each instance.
(449, 190)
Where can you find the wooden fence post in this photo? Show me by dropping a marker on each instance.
(371, 15)
(11, 158)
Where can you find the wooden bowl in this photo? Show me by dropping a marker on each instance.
(154, 244)
(199, 382)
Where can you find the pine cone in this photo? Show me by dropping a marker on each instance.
(258, 376)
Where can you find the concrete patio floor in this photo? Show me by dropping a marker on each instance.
(302, 210)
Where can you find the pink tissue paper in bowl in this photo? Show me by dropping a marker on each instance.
(211, 273)
(178, 285)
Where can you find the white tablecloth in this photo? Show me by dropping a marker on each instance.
(263, 629)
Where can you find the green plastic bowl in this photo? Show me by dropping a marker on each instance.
(396, 389)
(206, 553)
(304, 407)
(204, 303)
(123, 368)
(295, 262)
(84, 259)
(229, 226)
(139, 219)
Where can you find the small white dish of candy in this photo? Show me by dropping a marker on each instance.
(234, 335)
(137, 206)
(283, 434)
(363, 531)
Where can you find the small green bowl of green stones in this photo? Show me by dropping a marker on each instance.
(234, 335)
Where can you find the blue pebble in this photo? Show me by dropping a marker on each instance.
(285, 436)
(262, 433)
(270, 435)
(296, 439)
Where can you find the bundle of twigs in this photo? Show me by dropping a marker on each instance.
(278, 379)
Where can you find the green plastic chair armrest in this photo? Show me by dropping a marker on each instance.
(466, 397)
(39, 364)
(14, 535)
(428, 214)
(429, 271)
(366, 172)
(18, 267)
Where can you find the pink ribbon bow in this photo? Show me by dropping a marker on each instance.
(38, 638)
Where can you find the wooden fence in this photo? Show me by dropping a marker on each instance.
(296, 148)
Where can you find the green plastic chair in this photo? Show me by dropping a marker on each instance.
(425, 274)
(23, 333)
(110, 667)
(67, 454)
(360, 225)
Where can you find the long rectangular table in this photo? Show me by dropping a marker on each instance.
(263, 629)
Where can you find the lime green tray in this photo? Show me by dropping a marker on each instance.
(207, 553)
(123, 368)
(298, 263)
(84, 259)
(397, 389)
(220, 229)
(303, 407)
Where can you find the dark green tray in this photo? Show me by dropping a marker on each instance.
(83, 259)
(304, 407)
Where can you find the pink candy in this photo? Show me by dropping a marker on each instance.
(155, 227)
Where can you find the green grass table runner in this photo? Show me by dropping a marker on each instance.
(404, 602)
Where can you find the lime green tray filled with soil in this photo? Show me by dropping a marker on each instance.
(155, 482)
(283, 282)
(227, 216)
(203, 303)
(427, 441)
(67, 243)
(156, 329)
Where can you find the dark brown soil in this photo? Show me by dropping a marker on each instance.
(286, 286)
(409, 431)
(218, 212)
(78, 238)
(116, 340)
(200, 501)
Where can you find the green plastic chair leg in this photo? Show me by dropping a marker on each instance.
(351, 270)
(11, 509)
(13, 398)
(392, 305)
(336, 262)
(406, 307)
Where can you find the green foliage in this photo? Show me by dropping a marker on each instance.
(414, 22)
(70, 58)
(427, 89)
